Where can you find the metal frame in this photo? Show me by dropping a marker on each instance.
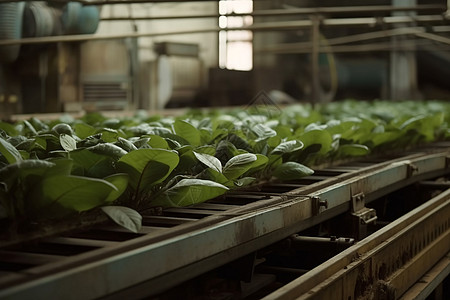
(386, 264)
(155, 262)
(293, 12)
(265, 26)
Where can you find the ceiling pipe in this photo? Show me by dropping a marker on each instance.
(291, 12)
(268, 26)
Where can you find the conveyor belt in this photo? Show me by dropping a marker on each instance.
(384, 265)
(182, 243)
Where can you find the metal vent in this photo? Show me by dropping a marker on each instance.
(105, 91)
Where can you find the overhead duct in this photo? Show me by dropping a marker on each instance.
(78, 19)
(11, 15)
(39, 20)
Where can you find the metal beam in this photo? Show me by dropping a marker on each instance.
(266, 26)
(103, 2)
(407, 45)
(291, 12)
(347, 39)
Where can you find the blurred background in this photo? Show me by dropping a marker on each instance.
(74, 56)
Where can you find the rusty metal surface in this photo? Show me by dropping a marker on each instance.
(430, 281)
(384, 265)
(156, 260)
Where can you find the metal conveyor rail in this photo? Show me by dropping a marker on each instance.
(185, 242)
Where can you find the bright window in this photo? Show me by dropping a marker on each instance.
(235, 46)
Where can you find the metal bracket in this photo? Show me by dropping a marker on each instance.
(366, 215)
(317, 204)
(361, 215)
(358, 202)
(412, 168)
(447, 161)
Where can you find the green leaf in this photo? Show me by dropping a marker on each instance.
(9, 128)
(261, 147)
(224, 151)
(159, 131)
(211, 150)
(112, 123)
(67, 142)
(413, 123)
(58, 154)
(353, 150)
(25, 145)
(90, 141)
(83, 130)
(274, 141)
(263, 131)
(148, 167)
(120, 181)
(93, 118)
(205, 135)
(138, 159)
(108, 149)
(24, 168)
(291, 170)
(153, 173)
(91, 164)
(174, 144)
(187, 160)
(283, 131)
(238, 165)
(109, 135)
(188, 192)
(213, 175)
(25, 154)
(74, 192)
(244, 181)
(210, 161)
(11, 154)
(317, 136)
(126, 217)
(187, 132)
(125, 144)
(259, 163)
(58, 128)
(157, 142)
(219, 134)
(239, 142)
(224, 122)
(385, 137)
(288, 147)
(16, 140)
(30, 127)
(141, 143)
(62, 166)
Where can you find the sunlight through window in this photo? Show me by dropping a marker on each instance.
(235, 46)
